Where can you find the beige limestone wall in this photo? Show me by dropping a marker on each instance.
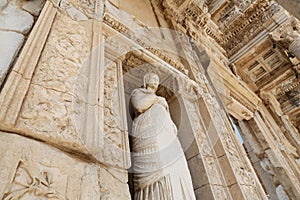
(141, 9)
(54, 95)
(275, 155)
(31, 169)
(16, 20)
(59, 101)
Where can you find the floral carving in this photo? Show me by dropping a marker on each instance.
(30, 182)
(115, 137)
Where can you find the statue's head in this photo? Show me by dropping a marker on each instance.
(151, 81)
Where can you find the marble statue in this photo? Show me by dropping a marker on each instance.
(159, 164)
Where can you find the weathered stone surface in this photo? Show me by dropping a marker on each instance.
(204, 171)
(55, 174)
(34, 170)
(11, 42)
(291, 6)
(3, 3)
(113, 186)
(199, 175)
(57, 96)
(48, 114)
(76, 14)
(13, 18)
(281, 193)
(34, 7)
(64, 57)
(205, 192)
(51, 93)
(235, 191)
(80, 10)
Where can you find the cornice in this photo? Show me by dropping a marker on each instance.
(248, 26)
(124, 30)
(236, 33)
(195, 21)
(248, 16)
(237, 89)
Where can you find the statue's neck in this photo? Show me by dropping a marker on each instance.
(148, 90)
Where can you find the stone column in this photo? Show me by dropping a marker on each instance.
(291, 133)
(229, 173)
(217, 161)
(280, 165)
(256, 153)
(206, 175)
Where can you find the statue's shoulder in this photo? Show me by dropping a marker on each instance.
(138, 91)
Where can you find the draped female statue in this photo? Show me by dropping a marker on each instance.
(159, 166)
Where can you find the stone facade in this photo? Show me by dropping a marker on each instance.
(16, 20)
(68, 68)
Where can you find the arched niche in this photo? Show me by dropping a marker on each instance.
(177, 88)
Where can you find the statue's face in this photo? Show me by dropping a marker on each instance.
(153, 86)
(152, 83)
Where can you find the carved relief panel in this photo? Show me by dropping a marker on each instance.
(60, 97)
(44, 174)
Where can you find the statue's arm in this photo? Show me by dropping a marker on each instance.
(141, 101)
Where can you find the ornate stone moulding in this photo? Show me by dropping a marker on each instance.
(240, 28)
(53, 93)
(129, 33)
(195, 14)
(172, 83)
(80, 10)
(251, 25)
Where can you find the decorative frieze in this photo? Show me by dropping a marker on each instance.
(146, 43)
(69, 89)
(80, 10)
(237, 24)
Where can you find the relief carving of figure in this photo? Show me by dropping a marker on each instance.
(159, 164)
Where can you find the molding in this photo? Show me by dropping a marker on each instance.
(17, 84)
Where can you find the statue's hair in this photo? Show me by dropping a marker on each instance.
(148, 76)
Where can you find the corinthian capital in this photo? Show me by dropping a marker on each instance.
(287, 37)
